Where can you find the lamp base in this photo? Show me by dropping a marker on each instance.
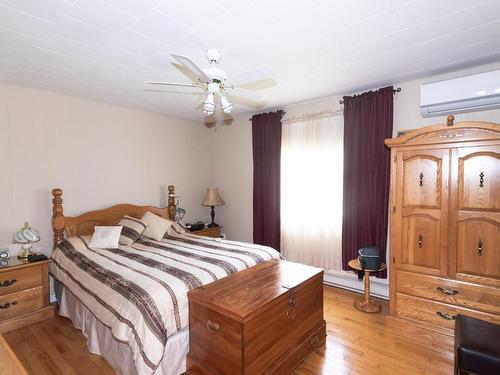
(213, 224)
(25, 254)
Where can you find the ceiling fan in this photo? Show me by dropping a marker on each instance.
(219, 88)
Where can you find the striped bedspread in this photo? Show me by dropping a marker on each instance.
(140, 291)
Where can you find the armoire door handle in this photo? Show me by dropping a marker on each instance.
(448, 292)
(481, 179)
(8, 305)
(421, 179)
(7, 283)
(446, 316)
(480, 247)
(420, 241)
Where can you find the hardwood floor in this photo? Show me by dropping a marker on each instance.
(357, 343)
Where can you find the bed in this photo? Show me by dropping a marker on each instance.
(131, 302)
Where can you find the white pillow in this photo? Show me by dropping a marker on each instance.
(156, 226)
(176, 228)
(106, 237)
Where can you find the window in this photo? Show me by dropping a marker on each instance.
(311, 191)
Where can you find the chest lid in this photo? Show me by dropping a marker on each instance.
(245, 294)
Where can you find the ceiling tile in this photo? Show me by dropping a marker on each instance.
(60, 44)
(162, 27)
(81, 32)
(138, 43)
(50, 10)
(191, 14)
(134, 7)
(15, 20)
(17, 40)
(12, 53)
(102, 15)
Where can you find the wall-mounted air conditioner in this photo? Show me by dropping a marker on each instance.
(477, 92)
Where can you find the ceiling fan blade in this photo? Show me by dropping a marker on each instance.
(188, 63)
(260, 74)
(246, 94)
(174, 84)
(246, 102)
(172, 91)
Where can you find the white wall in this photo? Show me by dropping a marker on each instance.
(99, 154)
(232, 173)
(231, 147)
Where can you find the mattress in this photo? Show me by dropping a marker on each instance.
(137, 294)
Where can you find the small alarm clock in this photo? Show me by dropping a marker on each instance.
(4, 254)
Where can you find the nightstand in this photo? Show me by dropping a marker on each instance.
(24, 294)
(209, 232)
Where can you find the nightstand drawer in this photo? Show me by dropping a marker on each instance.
(16, 303)
(20, 279)
(208, 232)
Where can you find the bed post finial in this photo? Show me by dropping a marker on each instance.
(57, 216)
(171, 203)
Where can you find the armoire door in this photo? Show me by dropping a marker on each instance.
(421, 210)
(478, 213)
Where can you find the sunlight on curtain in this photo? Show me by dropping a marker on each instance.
(311, 191)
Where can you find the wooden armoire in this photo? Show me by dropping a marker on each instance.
(445, 224)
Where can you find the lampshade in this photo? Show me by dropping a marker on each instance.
(212, 198)
(26, 235)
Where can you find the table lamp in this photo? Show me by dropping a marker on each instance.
(212, 199)
(26, 235)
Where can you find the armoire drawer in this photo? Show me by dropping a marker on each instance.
(472, 296)
(437, 314)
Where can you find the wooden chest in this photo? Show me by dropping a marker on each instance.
(263, 320)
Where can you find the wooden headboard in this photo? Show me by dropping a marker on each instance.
(85, 223)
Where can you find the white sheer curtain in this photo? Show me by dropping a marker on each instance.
(311, 191)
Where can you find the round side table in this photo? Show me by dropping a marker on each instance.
(366, 304)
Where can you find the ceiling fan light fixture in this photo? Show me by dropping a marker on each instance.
(216, 83)
(209, 104)
(225, 104)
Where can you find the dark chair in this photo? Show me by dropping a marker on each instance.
(477, 346)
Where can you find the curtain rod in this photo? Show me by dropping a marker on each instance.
(341, 101)
(394, 91)
(284, 113)
(308, 116)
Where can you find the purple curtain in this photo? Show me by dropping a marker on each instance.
(368, 121)
(266, 142)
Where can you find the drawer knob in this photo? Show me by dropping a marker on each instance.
(8, 305)
(7, 283)
(212, 326)
(314, 341)
(446, 316)
(447, 291)
(421, 179)
(420, 241)
(481, 179)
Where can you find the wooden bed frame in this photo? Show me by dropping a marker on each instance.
(84, 224)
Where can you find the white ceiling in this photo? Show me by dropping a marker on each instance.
(105, 49)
